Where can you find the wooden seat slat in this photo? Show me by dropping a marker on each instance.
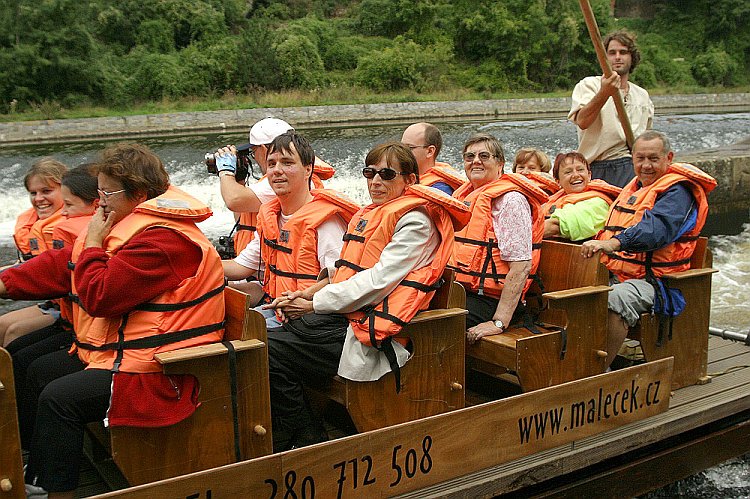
(574, 292)
(202, 351)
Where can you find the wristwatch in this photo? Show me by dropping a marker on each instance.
(499, 324)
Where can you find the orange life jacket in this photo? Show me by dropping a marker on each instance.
(22, 232)
(370, 231)
(442, 172)
(633, 202)
(191, 314)
(545, 183)
(482, 271)
(291, 254)
(247, 223)
(65, 235)
(595, 189)
(40, 237)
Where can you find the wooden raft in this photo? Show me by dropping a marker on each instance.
(704, 426)
(432, 382)
(206, 439)
(574, 298)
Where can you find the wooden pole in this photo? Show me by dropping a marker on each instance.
(601, 54)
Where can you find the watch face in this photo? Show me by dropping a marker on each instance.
(499, 324)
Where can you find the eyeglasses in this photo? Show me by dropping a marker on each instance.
(106, 195)
(412, 147)
(483, 156)
(385, 173)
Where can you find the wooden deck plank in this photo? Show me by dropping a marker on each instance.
(726, 396)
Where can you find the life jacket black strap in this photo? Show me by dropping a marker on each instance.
(153, 341)
(251, 228)
(386, 345)
(275, 245)
(232, 355)
(352, 237)
(346, 263)
(294, 275)
(475, 242)
(427, 288)
(624, 210)
(636, 261)
(171, 307)
(614, 228)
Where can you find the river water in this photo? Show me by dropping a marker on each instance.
(345, 148)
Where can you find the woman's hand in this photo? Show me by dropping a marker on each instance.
(291, 305)
(482, 329)
(99, 227)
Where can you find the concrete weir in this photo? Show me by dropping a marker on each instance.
(730, 201)
(730, 165)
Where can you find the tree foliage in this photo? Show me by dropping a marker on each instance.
(117, 52)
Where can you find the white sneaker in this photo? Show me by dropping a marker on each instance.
(34, 492)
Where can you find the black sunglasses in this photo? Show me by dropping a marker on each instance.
(385, 173)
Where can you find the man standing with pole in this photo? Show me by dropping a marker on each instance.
(603, 132)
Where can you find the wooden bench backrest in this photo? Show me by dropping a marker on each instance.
(450, 295)
(11, 463)
(702, 257)
(562, 267)
(241, 324)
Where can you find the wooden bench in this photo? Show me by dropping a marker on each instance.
(206, 439)
(11, 462)
(689, 343)
(432, 381)
(574, 298)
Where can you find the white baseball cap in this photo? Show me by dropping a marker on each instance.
(267, 129)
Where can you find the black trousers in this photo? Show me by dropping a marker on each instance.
(481, 309)
(67, 397)
(24, 351)
(292, 359)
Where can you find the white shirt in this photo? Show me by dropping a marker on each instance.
(262, 188)
(414, 243)
(604, 139)
(330, 241)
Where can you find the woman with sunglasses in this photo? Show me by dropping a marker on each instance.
(579, 209)
(144, 280)
(498, 251)
(394, 254)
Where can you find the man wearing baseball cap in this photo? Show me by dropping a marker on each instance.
(236, 195)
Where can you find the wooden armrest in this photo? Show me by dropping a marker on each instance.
(687, 274)
(575, 292)
(428, 315)
(202, 351)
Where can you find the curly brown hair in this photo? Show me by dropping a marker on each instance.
(136, 167)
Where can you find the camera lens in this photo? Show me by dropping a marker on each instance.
(210, 161)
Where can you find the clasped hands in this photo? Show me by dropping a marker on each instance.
(291, 305)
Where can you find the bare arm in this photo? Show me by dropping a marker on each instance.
(234, 271)
(236, 196)
(551, 228)
(515, 281)
(588, 113)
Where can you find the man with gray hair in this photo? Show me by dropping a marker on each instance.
(651, 230)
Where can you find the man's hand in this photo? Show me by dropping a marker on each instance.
(226, 159)
(291, 305)
(99, 228)
(610, 84)
(589, 248)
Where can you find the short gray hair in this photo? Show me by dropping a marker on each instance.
(653, 134)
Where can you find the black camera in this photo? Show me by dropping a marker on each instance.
(244, 166)
(225, 248)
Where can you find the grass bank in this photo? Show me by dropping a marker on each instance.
(343, 94)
